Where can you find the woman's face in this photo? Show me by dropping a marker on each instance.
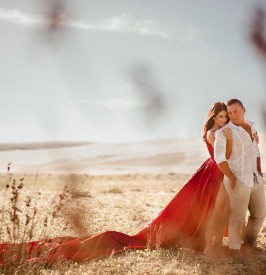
(221, 119)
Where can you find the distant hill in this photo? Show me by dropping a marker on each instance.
(41, 145)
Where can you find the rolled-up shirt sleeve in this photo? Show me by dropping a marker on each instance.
(258, 152)
(219, 147)
(253, 130)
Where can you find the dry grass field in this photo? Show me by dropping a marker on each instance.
(98, 203)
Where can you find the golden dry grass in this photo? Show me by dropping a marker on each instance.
(123, 203)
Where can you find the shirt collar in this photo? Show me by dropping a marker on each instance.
(232, 125)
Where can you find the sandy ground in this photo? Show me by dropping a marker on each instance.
(124, 203)
(111, 187)
(151, 172)
(138, 179)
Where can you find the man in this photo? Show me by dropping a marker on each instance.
(243, 178)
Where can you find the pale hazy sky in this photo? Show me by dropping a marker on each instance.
(94, 77)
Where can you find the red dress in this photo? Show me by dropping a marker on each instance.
(182, 223)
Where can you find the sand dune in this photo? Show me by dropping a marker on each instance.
(41, 145)
(65, 157)
(157, 156)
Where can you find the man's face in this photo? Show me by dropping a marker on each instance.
(236, 113)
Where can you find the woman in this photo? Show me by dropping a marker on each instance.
(218, 219)
(182, 223)
(188, 220)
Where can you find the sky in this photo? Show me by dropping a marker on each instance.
(122, 70)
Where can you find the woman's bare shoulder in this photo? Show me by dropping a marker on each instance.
(211, 136)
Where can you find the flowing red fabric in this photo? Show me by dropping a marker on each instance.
(182, 223)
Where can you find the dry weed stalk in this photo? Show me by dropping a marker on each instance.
(20, 224)
(155, 242)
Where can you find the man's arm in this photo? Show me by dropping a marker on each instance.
(224, 167)
(259, 166)
(256, 137)
(259, 162)
(220, 158)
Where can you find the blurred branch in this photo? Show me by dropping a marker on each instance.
(258, 38)
(148, 90)
(257, 33)
(56, 15)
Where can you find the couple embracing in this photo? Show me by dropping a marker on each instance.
(213, 201)
(237, 155)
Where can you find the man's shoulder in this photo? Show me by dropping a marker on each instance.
(220, 131)
(251, 123)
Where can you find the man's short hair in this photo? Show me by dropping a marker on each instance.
(234, 101)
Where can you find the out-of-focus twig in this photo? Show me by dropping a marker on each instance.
(258, 38)
(257, 33)
(148, 90)
(56, 15)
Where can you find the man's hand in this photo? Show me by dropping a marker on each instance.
(256, 137)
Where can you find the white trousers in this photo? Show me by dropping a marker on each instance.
(243, 198)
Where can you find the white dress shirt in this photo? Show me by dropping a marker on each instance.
(243, 160)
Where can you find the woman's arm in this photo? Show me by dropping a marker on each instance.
(228, 134)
